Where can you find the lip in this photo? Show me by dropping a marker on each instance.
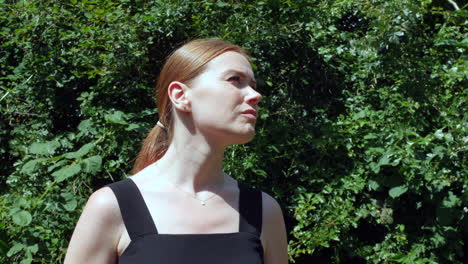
(250, 113)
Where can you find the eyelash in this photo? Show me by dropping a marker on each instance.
(235, 79)
(238, 79)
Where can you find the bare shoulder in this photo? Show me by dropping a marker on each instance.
(273, 220)
(271, 207)
(98, 230)
(273, 235)
(104, 203)
(102, 210)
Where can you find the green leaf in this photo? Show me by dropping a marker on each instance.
(22, 218)
(374, 167)
(31, 166)
(33, 249)
(359, 115)
(260, 172)
(386, 216)
(21, 202)
(373, 185)
(46, 148)
(451, 200)
(385, 159)
(133, 127)
(70, 205)
(92, 164)
(117, 117)
(13, 211)
(84, 125)
(56, 165)
(274, 148)
(221, 4)
(375, 150)
(81, 152)
(438, 240)
(70, 201)
(17, 247)
(371, 136)
(67, 172)
(397, 191)
(26, 260)
(439, 134)
(67, 195)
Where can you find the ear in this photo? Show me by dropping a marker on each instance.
(179, 96)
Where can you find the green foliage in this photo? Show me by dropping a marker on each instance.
(362, 133)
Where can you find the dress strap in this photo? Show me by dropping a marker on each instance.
(135, 213)
(250, 210)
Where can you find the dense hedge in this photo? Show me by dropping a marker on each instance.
(362, 135)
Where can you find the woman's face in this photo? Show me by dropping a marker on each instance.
(224, 100)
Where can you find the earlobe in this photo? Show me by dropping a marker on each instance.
(178, 94)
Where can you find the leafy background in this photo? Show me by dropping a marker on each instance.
(362, 134)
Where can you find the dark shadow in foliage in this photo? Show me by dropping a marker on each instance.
(368, 233)
(5, 157)
(407, 212)
(355, 260)
(321, 256)
(354, 22)
(322, 86)
(66, 114)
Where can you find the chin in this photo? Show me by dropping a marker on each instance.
(245, 137)
(244, 141)
(235, 136)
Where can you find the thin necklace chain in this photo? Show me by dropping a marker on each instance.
(202, 202)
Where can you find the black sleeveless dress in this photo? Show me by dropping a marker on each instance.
(147, 246)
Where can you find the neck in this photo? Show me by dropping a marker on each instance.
(192, 162)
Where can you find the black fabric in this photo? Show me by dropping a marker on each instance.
(135, 213)
(147, 246)
(250, 210)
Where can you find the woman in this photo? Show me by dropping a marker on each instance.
(179, 206)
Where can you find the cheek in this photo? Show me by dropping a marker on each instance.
(216, 106)
(218, 95)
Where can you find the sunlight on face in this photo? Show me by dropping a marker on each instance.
(224, 100)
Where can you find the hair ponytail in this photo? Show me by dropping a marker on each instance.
(154, 147)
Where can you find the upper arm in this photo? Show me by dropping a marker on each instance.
(273, 232)
(98, 230)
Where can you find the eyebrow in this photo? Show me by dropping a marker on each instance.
(244, 74)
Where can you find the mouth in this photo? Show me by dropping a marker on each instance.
(250, 114)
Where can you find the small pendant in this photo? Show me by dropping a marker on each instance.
(203, 203)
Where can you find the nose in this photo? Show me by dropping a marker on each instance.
(254, 97)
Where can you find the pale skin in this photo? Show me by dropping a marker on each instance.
(210, 114)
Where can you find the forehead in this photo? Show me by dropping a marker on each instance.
(230, 60)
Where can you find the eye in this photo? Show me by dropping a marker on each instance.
(235, 78)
